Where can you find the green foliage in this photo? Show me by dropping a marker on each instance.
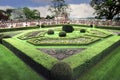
(91, 26)
(61, 71)
(50, 32)
(82, 30)
(62, 34)
(110, 64)
(106, 8)
(63, 41)
(43, 26)
(108, 27)
(49, 17)
(68, 28)
(3, 36)
(59, 7)
(12, 68)
(33, 34)
(17, 29)
(31, 14)
(81, 62)
(45, 61)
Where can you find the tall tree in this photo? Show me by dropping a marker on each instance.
(31, 14)
(3, 15)
(106, 8)
(9, 11)
(59, 7)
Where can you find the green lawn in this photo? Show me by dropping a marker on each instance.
(12, 68)
(107, 69)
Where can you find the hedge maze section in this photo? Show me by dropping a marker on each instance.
(83, 61)
(98, 43)
(40, 62)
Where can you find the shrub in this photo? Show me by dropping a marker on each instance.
(68, 28)
(50, 31)
(91, 25)
(61, 71)
(3, 36)
(42, 26)
(62, 34)
(38, 25)
(82, 31)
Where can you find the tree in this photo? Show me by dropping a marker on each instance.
(3, 15)
(31, 14)
(106, 8)
(49, 17)
(9, 11)
(59, 7)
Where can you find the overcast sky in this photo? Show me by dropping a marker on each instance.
(79, 8)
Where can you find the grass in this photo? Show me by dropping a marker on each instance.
(12, 68)
(29, 50)
(75, 60)
(107, 69)
(91, 52)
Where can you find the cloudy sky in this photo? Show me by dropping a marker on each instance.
(79, 8)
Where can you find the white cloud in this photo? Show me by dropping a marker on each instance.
(81, 10)
(42, 9)
(77, 10)
(6, 7)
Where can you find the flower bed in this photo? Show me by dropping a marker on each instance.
(60, 41)
(32, 34)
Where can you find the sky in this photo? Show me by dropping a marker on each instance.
(79, 8)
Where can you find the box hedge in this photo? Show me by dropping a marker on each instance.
(83, 61)
(17, 29)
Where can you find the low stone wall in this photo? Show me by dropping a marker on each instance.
(11, 24)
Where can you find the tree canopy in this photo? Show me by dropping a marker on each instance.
(106, 8)
(31, 14)
(59, 7)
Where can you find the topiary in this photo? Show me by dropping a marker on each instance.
(50, 31)
(91, 26)
(82, 30)
(68, 28)
(38, 25)
(42, 26)
(61, 71)
(62, 34)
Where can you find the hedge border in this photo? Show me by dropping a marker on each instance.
(17, 29)
(80, 25)
(39, 68)
(80, 66)
(52, 44)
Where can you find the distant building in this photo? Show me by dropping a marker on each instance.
(17, 15)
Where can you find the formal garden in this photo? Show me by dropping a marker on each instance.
(59, 52)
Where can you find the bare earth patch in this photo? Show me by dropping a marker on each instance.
(61, 54)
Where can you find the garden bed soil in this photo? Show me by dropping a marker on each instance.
(61, 54)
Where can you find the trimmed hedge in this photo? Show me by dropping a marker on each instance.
(68, 28)
(50, 32)
(62, 41)
(108, 27)
(62, 34)
(83, 61)
(82, 30)
(17, 29)
(40, 62)
(2, 36)
(61, 71)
